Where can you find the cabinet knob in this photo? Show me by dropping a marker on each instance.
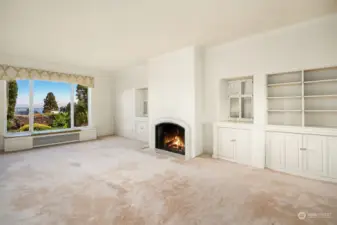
(303, 149)
(233, 140)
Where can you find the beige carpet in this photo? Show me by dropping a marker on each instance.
(113, 181)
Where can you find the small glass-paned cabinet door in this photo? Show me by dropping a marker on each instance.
(247, 87)
(234, 107)
(246, 108)
(234, 88)
(247, 99)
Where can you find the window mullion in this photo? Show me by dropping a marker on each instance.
(5, 85)
(31, 107)
(72, 106)
(89, 107)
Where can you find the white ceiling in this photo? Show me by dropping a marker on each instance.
(110, 34)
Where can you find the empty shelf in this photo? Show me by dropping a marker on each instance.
(320, 81)
(320, 110)
(284, 84)
(284, 110)
(320, 96)
(280, 97)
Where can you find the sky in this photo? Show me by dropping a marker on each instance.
(61, 90)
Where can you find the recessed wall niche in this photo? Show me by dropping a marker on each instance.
(306, 98)
(141, 102)
(236, 99)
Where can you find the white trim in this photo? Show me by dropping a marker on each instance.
(234, 125)
(188, 147)
(5, 108)
(72, 103)
(89, 107)
(302, 99)
(46, 132)
(31, 106)
(301, 130)
(138, 118)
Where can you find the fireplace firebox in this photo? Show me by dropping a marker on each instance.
(170, 137)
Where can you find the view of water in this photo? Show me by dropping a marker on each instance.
(25, 110)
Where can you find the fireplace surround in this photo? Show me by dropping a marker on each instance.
(170, 137)
(177, 122)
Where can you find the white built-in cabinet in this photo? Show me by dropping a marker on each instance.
(308, 155)
(142, 130)
(301, 123)
(233, 144)
(307, 101)
(331, 151)
(232, 134)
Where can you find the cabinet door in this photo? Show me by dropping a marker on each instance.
(292, 152)
(142, 133)
(243, 147)
(332, 156)
(226, 143)
(314, 155)
(275, 150)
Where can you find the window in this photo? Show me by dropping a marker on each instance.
(42, 106)
(18, 106)
(50, 105)
(81, 106)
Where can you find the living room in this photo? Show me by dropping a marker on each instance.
(168, 112)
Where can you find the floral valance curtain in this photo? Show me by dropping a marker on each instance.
(8, 72)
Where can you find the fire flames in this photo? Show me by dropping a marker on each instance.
(174, 142)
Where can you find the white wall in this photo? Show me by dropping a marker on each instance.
(311, 44)
(102, 94)
(173, 82)
(103, 105)
(126, 81)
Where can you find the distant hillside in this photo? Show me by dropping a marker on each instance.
(25, 110)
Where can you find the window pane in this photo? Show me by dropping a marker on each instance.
(81, 106)
(51, 105)
(234, 107)
(18, 106)
(246, 108)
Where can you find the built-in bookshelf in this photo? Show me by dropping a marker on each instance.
(237, 100)
(303, 98)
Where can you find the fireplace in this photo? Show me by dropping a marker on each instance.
(170, 137)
